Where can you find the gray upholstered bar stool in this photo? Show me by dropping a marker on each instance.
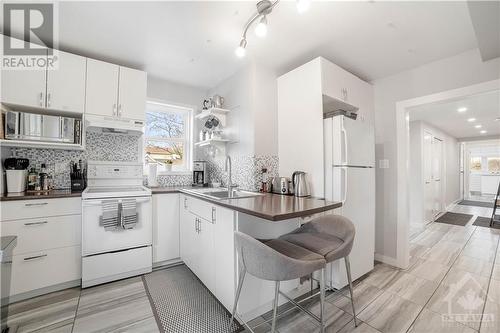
(332, 237)
(277, 260)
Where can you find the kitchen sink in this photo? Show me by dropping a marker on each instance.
(221, 195)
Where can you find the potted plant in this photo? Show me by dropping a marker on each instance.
(168, 165)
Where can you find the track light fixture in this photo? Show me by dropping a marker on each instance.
(264, 8)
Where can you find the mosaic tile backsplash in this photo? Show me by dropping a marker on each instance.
(99, 147)
(246, 170)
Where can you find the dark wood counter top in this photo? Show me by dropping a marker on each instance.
(48, 195)
(273, 207)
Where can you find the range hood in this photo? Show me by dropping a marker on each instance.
(114, 125)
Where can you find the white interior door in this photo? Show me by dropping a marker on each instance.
(427, 175)
(437, 174)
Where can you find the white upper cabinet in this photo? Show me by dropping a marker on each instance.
(66, 83)
(24, 86)
(115, 91)
(102, 88)
(132, 93)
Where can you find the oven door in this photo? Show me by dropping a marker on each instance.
(96, 239)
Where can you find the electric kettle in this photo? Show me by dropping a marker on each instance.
(300, 185)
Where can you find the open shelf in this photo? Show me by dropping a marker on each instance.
(211, 142)
(211, 112)
(39, 144)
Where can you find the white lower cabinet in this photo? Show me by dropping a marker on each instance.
(207, 245)
(165, 227)
(45, 268)
(48, 250)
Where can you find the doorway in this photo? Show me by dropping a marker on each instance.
(467, 123)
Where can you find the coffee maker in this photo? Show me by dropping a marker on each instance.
(200, 174)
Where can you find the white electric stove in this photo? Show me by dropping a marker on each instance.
(116, 223)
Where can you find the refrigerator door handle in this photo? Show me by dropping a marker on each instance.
(344, 133)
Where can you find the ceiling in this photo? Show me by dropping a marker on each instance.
(193, 42)
(485, 108)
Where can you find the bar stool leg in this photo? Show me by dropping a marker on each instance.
(312, 282)
(238, 292)
(348, 269)
(275, 307)
(322, 299)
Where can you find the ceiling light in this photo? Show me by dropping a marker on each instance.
(462, 109)
(264, 8)
(478, 126)
(483, 132)
(261, 28)
(303, 6)
(470, 120)
(241, 49)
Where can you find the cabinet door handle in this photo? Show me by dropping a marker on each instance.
(119, 110)
(114, 109)
(36, 204)
(214, 215)
(48, 99)
(199, 225)
(35, 223)
(41, 98)
(185, 203)
(35, 257)
(196, 224)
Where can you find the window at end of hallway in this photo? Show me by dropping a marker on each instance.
(167, 138)
(494, 164)
(475, 163)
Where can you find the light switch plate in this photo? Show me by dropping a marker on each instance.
(383, 164)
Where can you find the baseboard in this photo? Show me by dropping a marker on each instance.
(388, 260)
(453, 204)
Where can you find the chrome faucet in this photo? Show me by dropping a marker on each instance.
(228, 170)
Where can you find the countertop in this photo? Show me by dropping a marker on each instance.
(268, 206)
(49, 195)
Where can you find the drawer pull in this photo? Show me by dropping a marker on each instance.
(7, 262)
(36, 204)
(35, 257)
(36, 223)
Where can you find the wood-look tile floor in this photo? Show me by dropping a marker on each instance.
(452, 285)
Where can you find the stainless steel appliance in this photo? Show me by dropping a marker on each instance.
(200, 174)
(38, 127)
(300, 185)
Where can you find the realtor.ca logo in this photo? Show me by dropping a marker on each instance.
(33, 25)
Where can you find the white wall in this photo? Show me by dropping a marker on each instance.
(251, 95)
(175, 93)
(451, 168)
(458, 71)
(416, 192)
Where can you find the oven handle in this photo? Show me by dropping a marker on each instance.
(92, 202)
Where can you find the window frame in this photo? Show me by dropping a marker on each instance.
(187, 140)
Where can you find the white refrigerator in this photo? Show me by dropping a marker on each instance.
(350, 178)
